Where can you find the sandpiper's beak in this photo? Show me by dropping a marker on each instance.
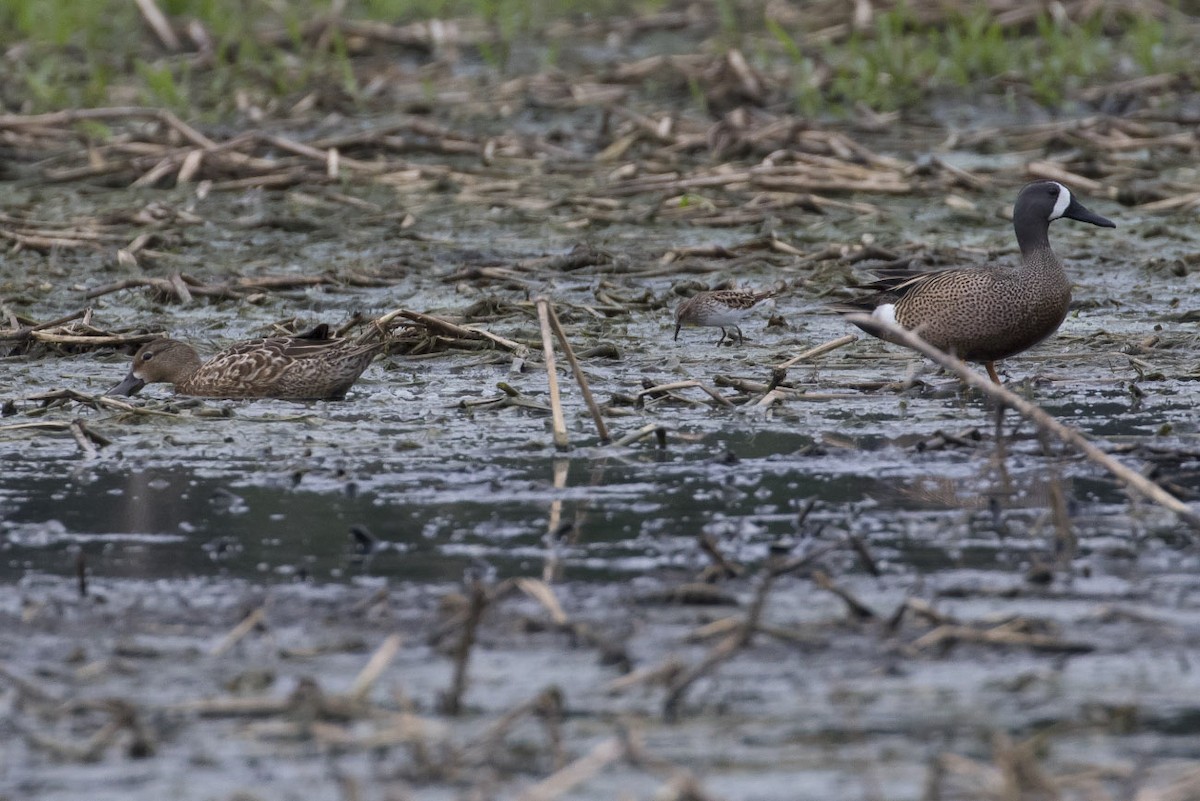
(1077, 211)
(130, 386)
(678, 325)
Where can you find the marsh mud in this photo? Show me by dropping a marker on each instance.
(870, 587)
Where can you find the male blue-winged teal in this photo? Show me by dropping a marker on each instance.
(983, 314)
(723, 308)
(310, 366)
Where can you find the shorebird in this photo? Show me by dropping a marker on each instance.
(724, 308)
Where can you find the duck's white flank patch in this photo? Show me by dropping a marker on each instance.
(1064, 200)
(886, 312)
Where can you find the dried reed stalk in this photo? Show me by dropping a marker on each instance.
(378, 663)
(239, 631)
(601, 428)
(650, 429)
(558, 784)
(559, 425)
(819, 350)
(721, 652)
(451, 702)
(1035, 414)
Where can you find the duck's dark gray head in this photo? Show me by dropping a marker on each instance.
(1042, 202)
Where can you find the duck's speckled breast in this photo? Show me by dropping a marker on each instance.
(988, 315)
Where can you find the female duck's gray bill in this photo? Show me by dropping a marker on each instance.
(1077, 211)
(130, 386)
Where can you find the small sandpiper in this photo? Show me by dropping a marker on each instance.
(723, 308)
(991, 312)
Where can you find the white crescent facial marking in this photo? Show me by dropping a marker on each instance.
(886, 312)
(1064, 200)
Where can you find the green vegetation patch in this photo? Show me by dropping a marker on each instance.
(234, 53)
(901, 58)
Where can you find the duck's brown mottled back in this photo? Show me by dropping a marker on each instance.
(307, 367)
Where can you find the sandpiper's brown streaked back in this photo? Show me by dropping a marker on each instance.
(723, 308)
(984, 314)
(311, 366)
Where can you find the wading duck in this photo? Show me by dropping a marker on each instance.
(988, 313)
(310, 366)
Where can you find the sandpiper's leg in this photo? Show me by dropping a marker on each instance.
(722, 339)
(991, 368)
(741, 339)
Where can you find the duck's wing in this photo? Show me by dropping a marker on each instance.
(900, 282)
(311, 344)
(890, 285)
(284, 367)
(739, 299)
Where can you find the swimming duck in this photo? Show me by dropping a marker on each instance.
(984, 314)
(310, 366)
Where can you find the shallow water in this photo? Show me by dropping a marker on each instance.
(184, 522)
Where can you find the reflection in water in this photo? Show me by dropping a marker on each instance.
(596, 518)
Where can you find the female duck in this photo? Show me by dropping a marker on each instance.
(311, 366)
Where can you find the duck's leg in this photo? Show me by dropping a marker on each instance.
(991, 368)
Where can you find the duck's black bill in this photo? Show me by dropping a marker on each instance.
(1077, 211)
(130, 386)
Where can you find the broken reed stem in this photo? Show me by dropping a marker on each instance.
(463, 332)
(601, 429)
(691, 382)
(819, 350)
(541, 592)
(856, 607)
(1032, 412)
(79, 432)
(239, 631)
(61, 119)
(159, 24)
(558, 784)
(659, 389)
(715, 395)
(378, 662)
(722, 651)
(429, 320)
(561, 440)
(452, 700)
(770, 398)
(24, 331)
(643, 432)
